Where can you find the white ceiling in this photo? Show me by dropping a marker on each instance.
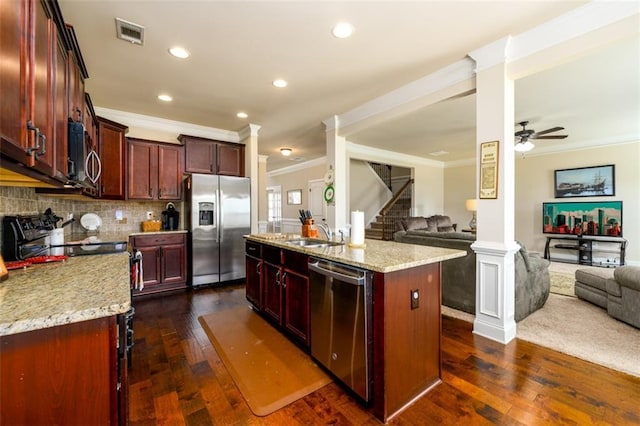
(239, 47)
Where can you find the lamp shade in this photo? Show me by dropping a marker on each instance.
(471, 205)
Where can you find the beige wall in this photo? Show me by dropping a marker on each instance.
(535, 184)
(296, 180)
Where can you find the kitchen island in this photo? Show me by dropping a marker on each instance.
(406, 297)
(61, 342)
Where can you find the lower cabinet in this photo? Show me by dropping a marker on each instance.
(68, 374)
(277, 285)
(164, 261)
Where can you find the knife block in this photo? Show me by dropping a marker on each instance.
(309, 230)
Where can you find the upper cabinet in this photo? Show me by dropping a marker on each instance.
(212, 157)
(155, 170)
(28, 42)
(113, 150)
(40, 64)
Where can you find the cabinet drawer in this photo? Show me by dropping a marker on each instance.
(295, 261)
(253, 249)
(271, 254)
(158, 240)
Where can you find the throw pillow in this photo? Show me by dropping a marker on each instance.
(432, 224)
(411, 223)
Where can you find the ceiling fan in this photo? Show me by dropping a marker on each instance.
(523, 144)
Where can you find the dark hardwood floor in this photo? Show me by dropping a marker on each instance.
(177, 378)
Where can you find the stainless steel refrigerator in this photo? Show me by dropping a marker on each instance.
(218, 215)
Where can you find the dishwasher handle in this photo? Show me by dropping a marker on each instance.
(346, 275)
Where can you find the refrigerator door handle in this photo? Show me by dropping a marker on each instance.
(220, 215)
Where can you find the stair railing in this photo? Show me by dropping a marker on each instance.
(396, 208)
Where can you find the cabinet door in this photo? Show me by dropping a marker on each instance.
(170, 171)
(200, 156)
(230, 160)
(296, 304)
(271, 299)
(13, 87)
(60, 132)
(142, 170)
(42, 78)
(173, 264)
(253, 288)
(150, 265)
(113, 157)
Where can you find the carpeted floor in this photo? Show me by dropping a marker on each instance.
(576, 327)
(269, 370)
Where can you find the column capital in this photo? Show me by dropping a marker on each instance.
(250, 130)
(495, 53)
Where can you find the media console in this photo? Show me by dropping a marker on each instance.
(590, 250)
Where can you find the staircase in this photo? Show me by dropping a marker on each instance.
(398, 207)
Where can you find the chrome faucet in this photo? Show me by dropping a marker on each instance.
(327, 230)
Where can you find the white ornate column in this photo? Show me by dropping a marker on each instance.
(495, 245)
(337, 159)
(249, 137)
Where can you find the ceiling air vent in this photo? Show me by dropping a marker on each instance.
(128, 31)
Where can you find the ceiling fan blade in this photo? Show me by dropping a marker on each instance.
(549, 137)
(553, 129)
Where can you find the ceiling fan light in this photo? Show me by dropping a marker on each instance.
(524, 146)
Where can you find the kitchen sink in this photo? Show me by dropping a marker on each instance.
(313, 243)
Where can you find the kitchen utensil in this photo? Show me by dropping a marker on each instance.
(90, 221)
(68, 222)
(51, 216)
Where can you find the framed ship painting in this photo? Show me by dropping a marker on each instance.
(596, 181)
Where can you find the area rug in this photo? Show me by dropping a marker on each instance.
(270, 371)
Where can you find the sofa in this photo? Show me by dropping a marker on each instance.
(617, 291)
(435, 223)
(532, 279)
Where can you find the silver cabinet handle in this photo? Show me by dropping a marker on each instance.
(44, 144)
(284, 282)
(33, 128)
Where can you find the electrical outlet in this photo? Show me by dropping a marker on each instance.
(415, 299)
(149, 215)
(119, 215)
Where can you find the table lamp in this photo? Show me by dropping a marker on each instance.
(472, 205)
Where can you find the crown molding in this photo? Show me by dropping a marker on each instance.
(178, 127)
(389, 157)
(297, 167)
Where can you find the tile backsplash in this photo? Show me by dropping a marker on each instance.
(18, 200)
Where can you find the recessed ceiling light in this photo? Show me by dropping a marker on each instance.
(242, 115)
(165, 98)
(280, 83)
(286, 151)
(438, 153)
(342, 30)
(179, 52)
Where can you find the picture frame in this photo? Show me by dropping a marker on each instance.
(598, 218)
(489, 170)
(594, 181)
(294, 196)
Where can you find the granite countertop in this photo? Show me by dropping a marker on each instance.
(51, 294)
(177, 231)
(379, 256)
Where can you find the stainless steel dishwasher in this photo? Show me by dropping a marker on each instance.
(341, 322)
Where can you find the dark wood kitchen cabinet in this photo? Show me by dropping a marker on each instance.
(155, 170)
(209, 156)
(113, 150)
(30, 82)
(284, 282)
(253, 273)
(164, 261)
(68, 374)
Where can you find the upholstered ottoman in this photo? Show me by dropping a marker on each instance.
(591, 285)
